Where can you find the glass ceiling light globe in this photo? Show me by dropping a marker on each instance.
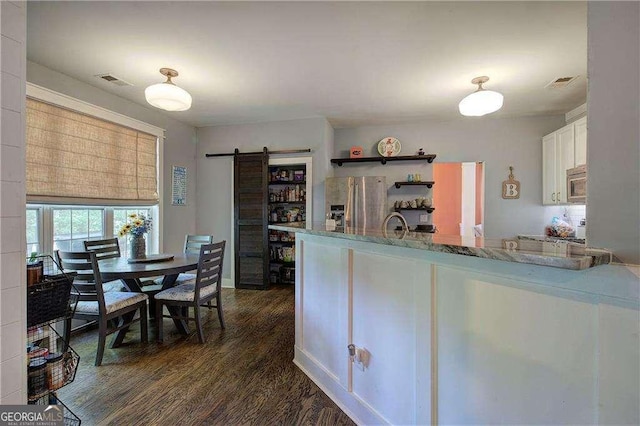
(481, 102)
(168, 96)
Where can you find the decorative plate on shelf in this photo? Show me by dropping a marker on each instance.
(389, 147)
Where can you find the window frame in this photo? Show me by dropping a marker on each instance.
(39, 231)
(45, 223)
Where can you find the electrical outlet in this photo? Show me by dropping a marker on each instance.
(424, 218)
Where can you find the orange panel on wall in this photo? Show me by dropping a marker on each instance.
(447, 197)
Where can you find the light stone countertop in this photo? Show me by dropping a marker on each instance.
(529, 251)
(546, 238)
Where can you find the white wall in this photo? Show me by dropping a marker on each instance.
(613, 152)
(500, 143)
(179, 145)
(215, 175)
(12, 206)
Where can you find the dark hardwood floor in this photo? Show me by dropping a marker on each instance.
(241, 375)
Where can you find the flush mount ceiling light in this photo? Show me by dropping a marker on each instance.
(167, 95)
(481, 101)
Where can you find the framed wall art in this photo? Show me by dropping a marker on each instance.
(178, 186)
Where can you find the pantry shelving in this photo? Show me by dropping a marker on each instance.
(287, 203)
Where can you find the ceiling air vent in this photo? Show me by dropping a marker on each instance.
(113, 79)
(561, 82)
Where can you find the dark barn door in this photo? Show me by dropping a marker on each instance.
(251, 233)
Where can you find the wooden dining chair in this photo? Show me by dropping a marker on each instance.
(192, 244)
(200, 293)
(114, 311)
(104, 249)
(109, 249)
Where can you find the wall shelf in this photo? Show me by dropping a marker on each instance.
(383, 160)
(427, 184)
(424, 209)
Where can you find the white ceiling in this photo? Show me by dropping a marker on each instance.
(353, 63)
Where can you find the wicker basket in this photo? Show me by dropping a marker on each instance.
(50, 297)
(48, 300)
(60, 368)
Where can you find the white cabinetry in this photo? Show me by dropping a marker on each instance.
(382, 310)
(549, 159)
(455, 340)
(561, 150)
(322, 308)
(389, 311)
(512, 356)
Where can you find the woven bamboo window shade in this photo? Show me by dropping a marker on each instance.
(76, 159)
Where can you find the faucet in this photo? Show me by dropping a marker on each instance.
(403, 221)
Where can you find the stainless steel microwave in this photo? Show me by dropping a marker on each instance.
(577, 185)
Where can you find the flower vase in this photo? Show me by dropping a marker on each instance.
(137, 247)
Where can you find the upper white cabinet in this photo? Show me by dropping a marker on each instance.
(561, 150)
(549, 159)
(580, 137)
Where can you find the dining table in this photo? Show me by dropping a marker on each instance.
(168, 266)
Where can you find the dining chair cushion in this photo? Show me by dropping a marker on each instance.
(107, 287)
(151, 288)
(182, 279)
(114, 300)
(184, 292)
(112, 286)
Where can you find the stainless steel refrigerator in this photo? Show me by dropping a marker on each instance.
(356, 201)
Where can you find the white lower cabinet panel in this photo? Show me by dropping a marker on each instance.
(323, 308)
(619, 366)
(390, 308)
(450, 345)
(511, 356)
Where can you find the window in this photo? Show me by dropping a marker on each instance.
(33, 231)
(51, 228)
(72, 226)
(120, 216)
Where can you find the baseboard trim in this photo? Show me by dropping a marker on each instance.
(227, 283)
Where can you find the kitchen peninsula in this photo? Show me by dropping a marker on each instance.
(451, 331)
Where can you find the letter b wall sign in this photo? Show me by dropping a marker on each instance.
(510, 187)
(510, 190)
